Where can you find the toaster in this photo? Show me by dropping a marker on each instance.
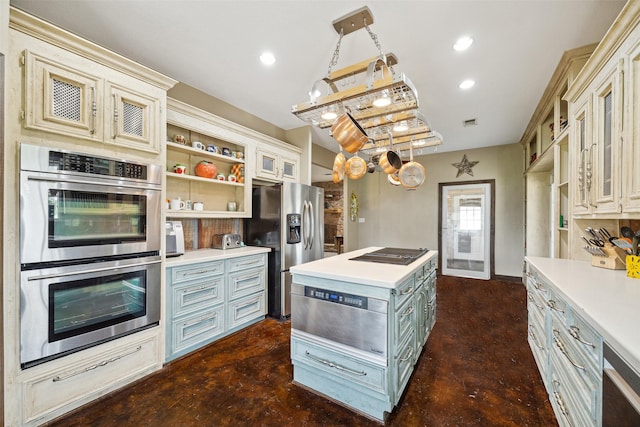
(175, 238)
(226, 241)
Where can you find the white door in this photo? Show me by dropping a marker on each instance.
(466, 230)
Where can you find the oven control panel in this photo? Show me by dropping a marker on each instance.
(72, 162)
(337, 297)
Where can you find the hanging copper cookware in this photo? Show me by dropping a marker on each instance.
(338, 167)
(390, 161)
(412, 173)
(356, 167)
(348, 133)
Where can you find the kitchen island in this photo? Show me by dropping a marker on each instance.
(358, 327)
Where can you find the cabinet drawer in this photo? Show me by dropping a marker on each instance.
(580, 397)
(242, 263)
(196, 295)
(246, 309)
(569, 413)
(584, 378)
(338, 365)
(404, 292)
(196, 328)
(538, 345)
(557, 305)
(404, 363)
(79, 382)
(405, 320)
(587, 341)
(246, 282)
(195, 271)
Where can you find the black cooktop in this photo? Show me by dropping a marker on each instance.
(398, 256)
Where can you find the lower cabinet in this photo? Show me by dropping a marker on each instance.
(211, 299)
(372, 385)
(568, 352)
(50, 390)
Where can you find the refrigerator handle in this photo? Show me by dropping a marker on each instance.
(313, 225)
(303, 225)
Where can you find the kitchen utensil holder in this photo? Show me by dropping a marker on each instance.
(614, 259)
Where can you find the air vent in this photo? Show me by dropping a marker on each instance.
(470, 122)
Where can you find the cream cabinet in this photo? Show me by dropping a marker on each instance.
(546, 146)
(597, 142)
(603, 109)
(72, 96)
(277, 165)
(196, 125)
(50, 390)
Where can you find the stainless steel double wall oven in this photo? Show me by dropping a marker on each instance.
(90, 235)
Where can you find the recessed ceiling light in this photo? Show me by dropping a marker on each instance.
(267, 58)
(463, 43)
(467, 84)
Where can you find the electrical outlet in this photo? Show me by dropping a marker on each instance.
(361, 220)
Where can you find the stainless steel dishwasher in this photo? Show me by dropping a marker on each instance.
(354, 320)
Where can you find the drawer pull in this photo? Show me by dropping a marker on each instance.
(243, 264)
(192, 290)
(530, 296)
(408, 311)
(409, 356)
(334, 365)
(58, 378)
(552, 305)
(534, 338)
(537, 284)
(560, 403)
(574, 331)
(563, 349)
(208, 317)
(407, 291)
(191, 273)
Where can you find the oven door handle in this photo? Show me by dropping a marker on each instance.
(140, 186)
(94, 270)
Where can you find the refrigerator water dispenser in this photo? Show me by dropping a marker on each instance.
(293, 228)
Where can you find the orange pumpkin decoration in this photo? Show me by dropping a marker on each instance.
(206, 169)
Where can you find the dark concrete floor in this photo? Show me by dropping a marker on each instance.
(476, 370)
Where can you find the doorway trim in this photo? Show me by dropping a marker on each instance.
(492, 189)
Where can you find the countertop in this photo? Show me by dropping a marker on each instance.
(202, 255)
(608, 299)
(340, 267)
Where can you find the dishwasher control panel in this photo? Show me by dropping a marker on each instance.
(337, 297)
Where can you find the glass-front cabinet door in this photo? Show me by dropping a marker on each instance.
(583, 163)
(607, 133)
(631, 146)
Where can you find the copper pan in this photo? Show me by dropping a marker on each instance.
(348, 133)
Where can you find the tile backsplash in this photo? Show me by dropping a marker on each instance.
(198, 232)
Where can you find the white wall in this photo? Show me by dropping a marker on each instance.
(396, 217)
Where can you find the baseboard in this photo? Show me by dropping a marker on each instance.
(508, 278)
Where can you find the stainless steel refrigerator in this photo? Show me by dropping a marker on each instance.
(289, 219)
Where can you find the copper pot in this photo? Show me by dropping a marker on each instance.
(348, 133)
(412, 173)
(338, 167)
(390, 162)
(356, 167)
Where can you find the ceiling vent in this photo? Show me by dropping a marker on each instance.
(470, 122)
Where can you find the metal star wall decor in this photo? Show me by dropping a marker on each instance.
(464, 166)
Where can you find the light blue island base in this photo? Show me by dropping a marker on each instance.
(367, 382)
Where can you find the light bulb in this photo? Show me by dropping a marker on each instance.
(383, 101)
(328, 115)
(401, 126)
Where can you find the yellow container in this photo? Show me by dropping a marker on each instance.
(633, 266)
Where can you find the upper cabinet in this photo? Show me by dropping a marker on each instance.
(546, 146)
(603, 110)
(233, 149)
(277, 165)
(196, 137)
(76, 90)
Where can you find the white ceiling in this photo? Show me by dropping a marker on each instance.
(214, 46)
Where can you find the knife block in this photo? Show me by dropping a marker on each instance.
(614, 259)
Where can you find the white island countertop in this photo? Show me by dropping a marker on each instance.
(608, 299)
(341, 267)
(202, 255)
